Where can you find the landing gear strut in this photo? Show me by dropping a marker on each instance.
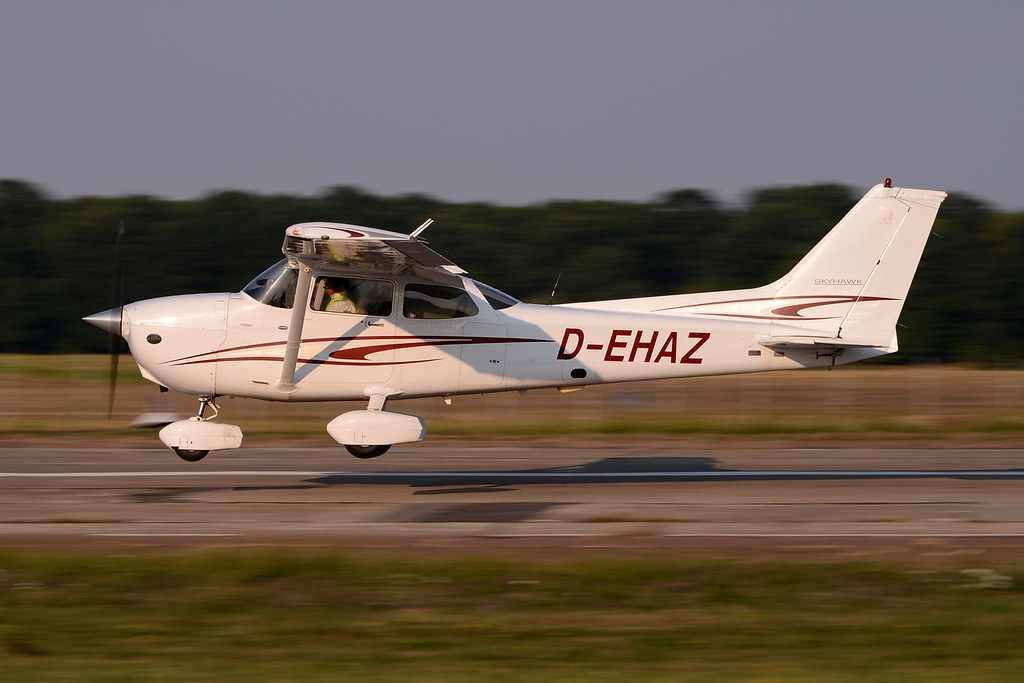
(371, 432)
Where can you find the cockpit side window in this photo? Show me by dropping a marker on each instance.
(434, 302)
(336, 294)
(275, 286)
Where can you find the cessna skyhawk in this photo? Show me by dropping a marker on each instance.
(357, 313)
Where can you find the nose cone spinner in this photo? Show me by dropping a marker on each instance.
(107, 320)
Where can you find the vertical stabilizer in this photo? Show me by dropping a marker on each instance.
(847, 291)
(903, 220)
(853, 283)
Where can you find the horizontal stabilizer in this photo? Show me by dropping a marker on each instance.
(815, 343)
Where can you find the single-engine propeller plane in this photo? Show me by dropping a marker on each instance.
(356, 313)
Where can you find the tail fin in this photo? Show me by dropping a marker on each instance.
(851, 286)
(848, 291)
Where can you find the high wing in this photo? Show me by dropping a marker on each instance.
(319, 245)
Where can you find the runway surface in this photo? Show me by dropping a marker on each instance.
(534, 500)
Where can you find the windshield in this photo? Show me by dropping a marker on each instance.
(275, 286)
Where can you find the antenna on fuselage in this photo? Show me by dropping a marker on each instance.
(552, 299)
(417, 231)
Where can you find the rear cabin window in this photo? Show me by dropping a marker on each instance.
(434, 302)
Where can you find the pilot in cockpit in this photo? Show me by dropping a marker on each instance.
(339, 299)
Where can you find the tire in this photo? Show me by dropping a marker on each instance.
(367, 452)
(190, 455)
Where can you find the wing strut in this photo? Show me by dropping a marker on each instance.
(291, 349)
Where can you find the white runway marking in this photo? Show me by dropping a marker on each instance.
(143, 535)
(754, 534)
(702, 474)
(194, 473)
(846, 535)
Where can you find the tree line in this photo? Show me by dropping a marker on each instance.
(56, 264)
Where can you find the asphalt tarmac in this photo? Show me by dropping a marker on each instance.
(922, 504)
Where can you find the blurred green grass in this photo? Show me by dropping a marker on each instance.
(304, 616)
(67, 396)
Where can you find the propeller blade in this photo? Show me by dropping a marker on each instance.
(118, 310)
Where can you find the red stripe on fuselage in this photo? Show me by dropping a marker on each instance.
(357, 355)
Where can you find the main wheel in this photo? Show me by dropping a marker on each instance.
(189, 455)
(367, 452)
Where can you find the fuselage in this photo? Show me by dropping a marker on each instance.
(233, 344)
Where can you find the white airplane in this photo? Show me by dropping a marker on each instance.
(355, 313)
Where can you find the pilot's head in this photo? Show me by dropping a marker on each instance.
(333, 285)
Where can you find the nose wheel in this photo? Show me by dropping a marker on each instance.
(366, 452)
(193, 454)
(192, 439)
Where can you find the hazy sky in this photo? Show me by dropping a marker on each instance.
(514, 101)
